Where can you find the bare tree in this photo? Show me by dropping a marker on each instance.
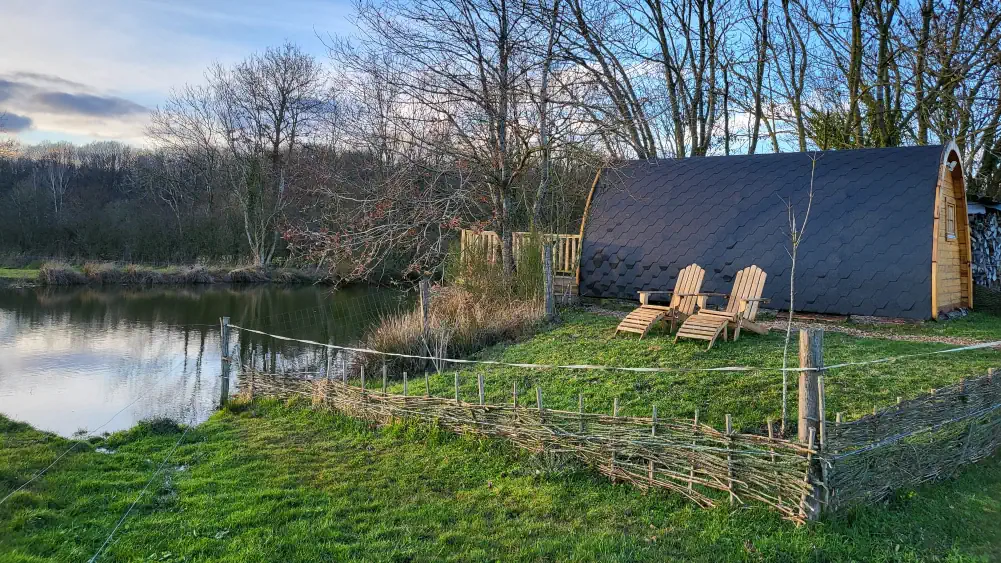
(797, 228)
(267, 106)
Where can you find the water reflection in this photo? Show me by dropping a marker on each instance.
(84, 358)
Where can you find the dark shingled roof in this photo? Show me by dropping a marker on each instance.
(867, 248)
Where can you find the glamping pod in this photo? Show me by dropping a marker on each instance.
(887, 233)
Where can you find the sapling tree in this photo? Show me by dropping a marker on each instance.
(797, 228)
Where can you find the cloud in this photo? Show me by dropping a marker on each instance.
(44, 102)
(14, 123)
(87, 104)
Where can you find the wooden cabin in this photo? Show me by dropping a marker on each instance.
(887, 234)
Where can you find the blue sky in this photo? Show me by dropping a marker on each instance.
(83, 70)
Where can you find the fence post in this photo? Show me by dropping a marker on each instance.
(729, 460)
(811, 405)
(547, 269)
(479, 382)
(384, 378)
(425, 290)
(811, 359)
(225, 364)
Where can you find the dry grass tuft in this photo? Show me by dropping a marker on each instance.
(459, 324)
(59, 273)
(249, 274)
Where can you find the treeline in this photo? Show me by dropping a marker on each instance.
(450, 113)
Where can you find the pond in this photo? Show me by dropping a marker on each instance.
(100, 359)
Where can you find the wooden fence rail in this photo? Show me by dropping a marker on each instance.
(566, 248)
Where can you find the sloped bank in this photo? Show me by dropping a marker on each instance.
(56, 273)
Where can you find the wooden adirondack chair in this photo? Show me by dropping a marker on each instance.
(740, 313)
(684, 299)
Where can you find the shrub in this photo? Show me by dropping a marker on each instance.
(58, 273)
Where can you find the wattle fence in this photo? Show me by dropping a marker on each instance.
(683, 456)
(833, 465)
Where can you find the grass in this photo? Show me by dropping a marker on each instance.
(977, 325)
(751, 397)
(18, 273)
(107, 273)
(270, 482)
(466, 324)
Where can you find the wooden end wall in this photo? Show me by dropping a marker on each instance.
(952, 285)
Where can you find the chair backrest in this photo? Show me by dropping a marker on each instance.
(749, 284)
(689, 281)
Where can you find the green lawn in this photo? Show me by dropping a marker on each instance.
(751, 397)
(19, 273)
(269, 482)
(976, 325)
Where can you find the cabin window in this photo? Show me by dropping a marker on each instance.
(950, 220)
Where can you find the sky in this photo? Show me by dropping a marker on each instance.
(91, 70)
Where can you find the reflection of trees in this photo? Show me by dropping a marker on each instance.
(161, 345)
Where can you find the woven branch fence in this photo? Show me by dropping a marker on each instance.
(915, 441)
(684, 456)
(852, 463)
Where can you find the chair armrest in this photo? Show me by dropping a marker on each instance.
(645, 295)
(745, 301)
(702, 294)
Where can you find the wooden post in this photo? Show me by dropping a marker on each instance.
(344, 370)
(615, 414)
(547, 270)
(330, 362)
(730, 461)
(653, 432)
(809, 507)
(479, 383)
(811, 359)
(363, 380)
(695, 433)
(405, 384)
(425, 290)
(384, 377)
(225, 362)
(457, 387)
(580, 410)
(514, 394)
(427, 385)
(771, 436)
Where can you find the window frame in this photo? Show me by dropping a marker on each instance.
(950, 220)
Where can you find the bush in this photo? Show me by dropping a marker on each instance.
(58, 273)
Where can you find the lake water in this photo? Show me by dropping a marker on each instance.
(102, 359)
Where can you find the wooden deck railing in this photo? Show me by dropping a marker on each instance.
(566, 248)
